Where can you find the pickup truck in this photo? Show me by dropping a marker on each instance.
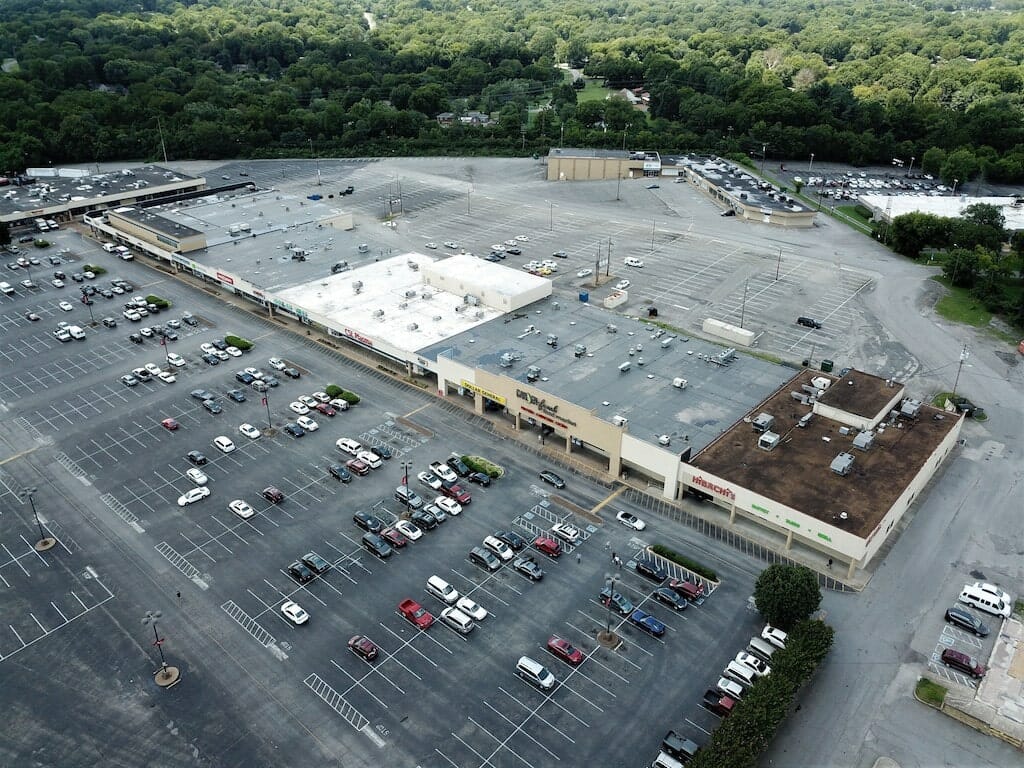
(718, 703)
(678, 746)
(443, 471)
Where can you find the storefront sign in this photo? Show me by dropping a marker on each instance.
(225, 278)
(542, 405)
(355, 336)
(707, 485)
(482, 392)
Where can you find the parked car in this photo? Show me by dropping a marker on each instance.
(551, 478)
(647, 623)
(630, 520)
(547, 546)
(338, 472)
(484, 558)
(479, 478)
(196, 458)
(300, 572)
(293, 611)
(671, 598)
(962, 662)
(651, 568)
(368, 522)
(566, 532)
(376, 545)
(774, 636)
(528, 567)
(511, 538)
(565, 650)
(363, 647)
(966, 620)
(193, 495)
(415, 613)
(618, 602)
(272, 494)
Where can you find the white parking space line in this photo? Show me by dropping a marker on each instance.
(700, 728)
(196, 548)
(520, 727)
(296, 590)
(408, 643)
(358, 684)
(480, 586)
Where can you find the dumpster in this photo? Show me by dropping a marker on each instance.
(827, 366)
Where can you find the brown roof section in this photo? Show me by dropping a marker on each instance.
(796, 473)
(859, 393)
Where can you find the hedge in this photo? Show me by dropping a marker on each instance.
(158, 301)
(40, 243)
(95, 269)
(335, 391)
(237, 341)
(740, 739)
(693, 565)
(480, 464)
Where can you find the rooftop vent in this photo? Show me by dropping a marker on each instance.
(864, 440)
(506, 360)
(768, 441)
(378, 313)
(842, 464)
(579, 350)
(413, 327)
(357, 286)
(763, 422)
(619, 421)
(533, 373)
(910, 409)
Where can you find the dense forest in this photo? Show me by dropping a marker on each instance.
(859, 81)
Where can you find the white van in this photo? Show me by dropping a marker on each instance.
(985, 601)
(348, 445)
(665, 760)
(739, 673)
(109, 247)
(632, 261)
(76, 332)
(457, 620)
(535, 673)
(442, 590)
(7, 289)
(761, 649)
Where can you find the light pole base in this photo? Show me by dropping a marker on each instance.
(45, 544)
(609, 639)
(167, 677)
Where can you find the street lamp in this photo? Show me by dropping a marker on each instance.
(551, 216)
(764, 154)
(265, 394)
(610, 580)
(45, 542)
(406, 466)
(166, 676)
(911, 168)
(810, 163)
(955, 182)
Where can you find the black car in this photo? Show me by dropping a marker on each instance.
(514, 251)
(965, 406)
(480, 478)
(315, 563)
(514, 540)
(244, 378)
(78, 277)
(106, 293)
(383, 451)
(551, 478)
(484, 558)
(270, 381)
(368, 522)
(671, 598)
(135, 338)
(59, 275)
(189, 320)
(196, 458)
(211, 360)
(89, 290)
(170, 334)
(340, 473)
(291, 373)
(201, 394)
(679, 747)
(294, 429)
(300, 572)
(650, 568)
(212, 406)
(560, 255)
(808, 322)
(966, 620)
(219, 344)
(458, 466)
(423, 520)
(529, 568)
(376, 545)
(237, 395)
(25, 239)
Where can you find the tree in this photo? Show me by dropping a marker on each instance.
(786, 594)
(5, 233)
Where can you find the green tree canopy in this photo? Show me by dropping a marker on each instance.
(787, 594)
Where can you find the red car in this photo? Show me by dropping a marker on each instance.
(565, 650)
(549, 547)
(324, 408)
(169, 424)
(456, 492)
(358, 467)
(415, 613)
(363, 647)
(394, 537)
(686, 589)
(272, 494)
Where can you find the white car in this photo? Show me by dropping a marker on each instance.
(176, 360)
(241, 509)
(131, 314)
(89, 275)
(197, 476)
(630, 520)
(167, 377)
(410, 530)
(338, 404)
(511, 242)
(320, 397)
(730, 688)
(749, 660)
(207, 348)
(585, 273)
(65, 306)
(248, 430)
(622, 285)
(299, 408)
(450, 506)
(277, 363)
(450, 244)
(566, 532)
(429, 479)
(471, 609)
(153, 368)
(294, 612)
(992, 589)
(253, 372)
(446, 473)
(57, 282)
(220, 354)
(234, 351)
(306, 400)
(191, 497)
(774, 636)
(500, 548)
(522, 238)
(498, 247)
(431, 246)
(307, 424)
(224, 443)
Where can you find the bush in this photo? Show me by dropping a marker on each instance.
(693, 565)
(237, 341)
(158, 301)
(95, 269)
(480, 464)
(333, 390)
(40, 243)
(930, 692)
(349, 397)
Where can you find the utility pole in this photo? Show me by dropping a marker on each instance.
(778, 265)
(743, 310)
(317, 160)
(964, 354)
(764, 151)
(608, 264)
(160, 128)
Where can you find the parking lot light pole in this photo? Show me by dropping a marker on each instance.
(764, 154)
(778, 265)
(167, 675)
(810, 163)
(912, 158)
(610, 580)
(45, 542)
(406, 466)
(955, 182)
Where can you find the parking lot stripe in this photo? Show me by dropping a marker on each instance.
(196, 548)
(452, 762)
(532, 715)
(698, 727)
(593, 659)
(59, 611)
(296, 589)
(15, 560)
(407, 642)
(358, 684)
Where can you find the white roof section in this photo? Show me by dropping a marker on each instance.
(389, 301)
(946, 205)
(493, 285)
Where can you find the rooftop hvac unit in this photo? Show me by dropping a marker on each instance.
(610, 328)
(665, 343)
(820, 382)
(768, 441)
(842, 464)
(552, 340)
(506, 360)
(413, 326)
(864, 440)
(805, 420)
(379, 313)
(410, 294)
(640, 362)
(579, 350)
(426, 295)
(679, 383)
(478, 315)
(404, 305)
(910, 409)
(763, 422)
(619, 421)
(532, 373)
(665, 439)
(413, 265)
(471, 300)
(357, 286)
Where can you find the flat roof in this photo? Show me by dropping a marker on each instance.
(393, 304)
(859, 393)
(797, 473)
(64, 186)
(942, 205)
(618, 154)
(149, 218)
(741, 185)
(486, 278)
(714, 398)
